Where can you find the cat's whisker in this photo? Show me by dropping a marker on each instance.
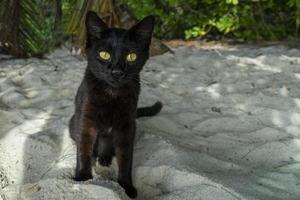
(136, 79)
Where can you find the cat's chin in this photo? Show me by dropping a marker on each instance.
(114, 84)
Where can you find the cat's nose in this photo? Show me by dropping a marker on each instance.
(116, 73)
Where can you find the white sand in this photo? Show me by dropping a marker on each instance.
(229, 129)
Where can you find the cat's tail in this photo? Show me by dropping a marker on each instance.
(149, 110)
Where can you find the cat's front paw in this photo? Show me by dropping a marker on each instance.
(105, 160)
(129, 190)
(83, 176)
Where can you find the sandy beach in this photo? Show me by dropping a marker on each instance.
(229, 128)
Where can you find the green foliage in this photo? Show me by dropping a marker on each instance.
(33, 27)
(239, 19)
(29, 27)
(295, 4)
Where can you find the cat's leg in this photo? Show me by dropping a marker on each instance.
(123, 141)
(105, 148)
(85, 149)
(72, 129)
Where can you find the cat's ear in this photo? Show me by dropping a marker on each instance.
(142, 31)
(94, 25)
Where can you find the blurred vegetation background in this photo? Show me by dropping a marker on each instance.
(35, 27)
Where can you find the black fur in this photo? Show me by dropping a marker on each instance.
(103, 124)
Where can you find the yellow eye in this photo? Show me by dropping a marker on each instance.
(131, 57)
(104, 55)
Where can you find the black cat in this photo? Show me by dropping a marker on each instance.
(103, 124)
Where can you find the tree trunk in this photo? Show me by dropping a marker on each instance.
(9, 28)
(58, 15)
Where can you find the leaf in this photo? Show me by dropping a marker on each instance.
(235, 2)
(26, 28)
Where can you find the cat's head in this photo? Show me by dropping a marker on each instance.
(117, 55)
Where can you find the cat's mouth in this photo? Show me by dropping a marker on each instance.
(115, 82)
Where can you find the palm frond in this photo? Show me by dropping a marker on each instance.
(25, 27)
